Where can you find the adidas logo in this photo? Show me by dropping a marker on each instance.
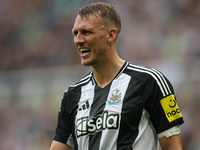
(84, 106)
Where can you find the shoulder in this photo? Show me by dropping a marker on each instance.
(72, 94)
(143, 72)
(79, 84)
(150, 76)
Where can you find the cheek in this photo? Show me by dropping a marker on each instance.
(97, 42)
(100, 42)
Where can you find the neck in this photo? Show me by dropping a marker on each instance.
(104, 73)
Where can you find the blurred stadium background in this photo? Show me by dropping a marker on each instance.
(39, 61)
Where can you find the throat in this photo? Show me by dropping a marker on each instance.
(103, 80)
(104, 75)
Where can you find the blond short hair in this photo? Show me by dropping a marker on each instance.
(105, 10)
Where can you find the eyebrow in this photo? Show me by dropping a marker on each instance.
(82, 30)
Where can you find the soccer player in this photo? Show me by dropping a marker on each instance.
(118, 105)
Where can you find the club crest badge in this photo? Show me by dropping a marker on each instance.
(115, 98)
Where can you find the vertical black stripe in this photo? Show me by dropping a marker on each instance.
(97, 108)
(130, 116)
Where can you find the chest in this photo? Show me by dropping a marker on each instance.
(106, 110)
(120, 98)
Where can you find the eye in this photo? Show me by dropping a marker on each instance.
(75, 33)
(86, 32)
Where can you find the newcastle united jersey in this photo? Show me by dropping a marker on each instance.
(127, 114)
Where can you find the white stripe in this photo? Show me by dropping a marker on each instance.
(87, 94)
(163, 79)
(81, 81)
(88, 76)
(145, 133)
(121, 85)
(74, 85)
(158, 74)
(152, 76)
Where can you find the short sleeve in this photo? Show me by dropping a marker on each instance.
(162, 105)
(63, 129)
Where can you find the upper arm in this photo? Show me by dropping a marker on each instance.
(171, 143)
(60, 146)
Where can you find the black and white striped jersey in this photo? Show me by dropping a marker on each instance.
(127, 114)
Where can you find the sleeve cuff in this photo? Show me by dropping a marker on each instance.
(70, 141)
(170, 132)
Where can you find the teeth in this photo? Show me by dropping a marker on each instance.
(84, 50)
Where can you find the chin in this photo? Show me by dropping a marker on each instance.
(88, 63)
(84, 63)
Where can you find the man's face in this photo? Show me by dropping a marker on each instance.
(90, 39)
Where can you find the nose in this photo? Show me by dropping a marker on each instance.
(79, 39)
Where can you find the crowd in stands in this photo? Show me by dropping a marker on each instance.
(37, 34)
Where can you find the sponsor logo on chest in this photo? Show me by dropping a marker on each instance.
(87, 125)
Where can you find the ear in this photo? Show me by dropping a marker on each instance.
(112, 33)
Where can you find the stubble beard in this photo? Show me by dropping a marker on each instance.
(95, 62)
(92, 63)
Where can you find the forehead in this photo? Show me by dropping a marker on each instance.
(88, 22)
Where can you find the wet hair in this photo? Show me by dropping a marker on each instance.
(105, 10)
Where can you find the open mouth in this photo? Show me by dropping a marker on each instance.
(85, 52)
